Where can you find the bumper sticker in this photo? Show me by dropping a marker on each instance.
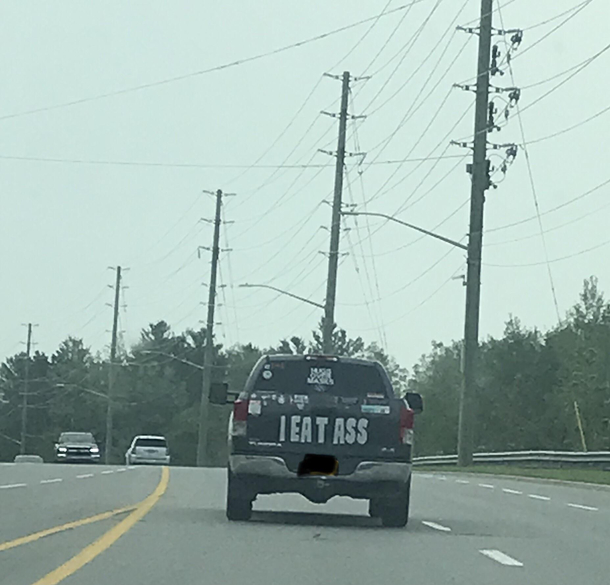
(375, 409)
(254, 407)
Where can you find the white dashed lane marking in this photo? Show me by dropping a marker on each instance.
(486, 485)
(84, 476)
(436, 526)
(121, 469)
(509, 491)
(46, 481)
(500, 557)
(464, 481)
(12, 485)
(537, 497)
(107, 471)
(581, 507)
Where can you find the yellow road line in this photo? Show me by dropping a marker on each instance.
(75, 524)
(109, 538)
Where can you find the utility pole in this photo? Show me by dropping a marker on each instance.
(335, 228)
(208, 356)
(112, 367)
(26, 388)
(480, 183)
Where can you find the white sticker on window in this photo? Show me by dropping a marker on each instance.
(323, 376)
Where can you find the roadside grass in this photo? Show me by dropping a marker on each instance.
(565, 474)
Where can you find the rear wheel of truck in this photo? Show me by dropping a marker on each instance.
(395, 511)
(239, 502)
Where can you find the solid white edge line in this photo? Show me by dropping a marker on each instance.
(581, 507)
(46, 481)
(509, 491)
(84, 476)
(486, 485)
(436, 526)
(12, 485)
(501, 558)
(537, 497)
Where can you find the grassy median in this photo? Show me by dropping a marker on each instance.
(566, 474)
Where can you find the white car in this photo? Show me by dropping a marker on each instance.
(148, 449)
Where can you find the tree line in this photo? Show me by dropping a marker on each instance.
(530, 387)
(157, 389)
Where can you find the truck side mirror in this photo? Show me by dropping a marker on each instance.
(218, 393)
(415, 401)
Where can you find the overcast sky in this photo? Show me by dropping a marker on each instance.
(63, 223)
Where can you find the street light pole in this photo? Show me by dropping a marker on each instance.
(173, 357)
(409, 225)
(283, 292)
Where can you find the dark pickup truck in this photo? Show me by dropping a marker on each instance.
(321, 426)
(74, 447)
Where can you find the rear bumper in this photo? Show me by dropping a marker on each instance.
(274, 467)
(139, 460)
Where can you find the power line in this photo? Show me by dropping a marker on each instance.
(570, 128)
(173, 226)
(552, 229)
(424, 301)
(306, 218)
(563, 82)
(531, 181)
(533, 26)
(556, 75)
(284, 198)
(275, 174)
(433, 69)
(408, 45)
(162, 164)
(553, 18)
(230, 268)
(569, 256)
(551, 210)
(293, 119)
(280, 135)
(377, 318)
(577, 11)
(380, 192)
(411, 282)
(209, 69)
(388, 39)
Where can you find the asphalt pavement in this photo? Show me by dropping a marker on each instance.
(464, 529)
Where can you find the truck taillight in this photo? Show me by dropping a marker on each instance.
(406, 425)
(240, 418)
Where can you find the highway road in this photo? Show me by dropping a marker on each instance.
(169, 527)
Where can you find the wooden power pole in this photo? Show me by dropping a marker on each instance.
(208, 356)
(112, 367)
(26, 389)
(335, 228)
(480, 183)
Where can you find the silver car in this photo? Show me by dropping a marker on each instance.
(148, 449)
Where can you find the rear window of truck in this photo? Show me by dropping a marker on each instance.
(324, 377)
